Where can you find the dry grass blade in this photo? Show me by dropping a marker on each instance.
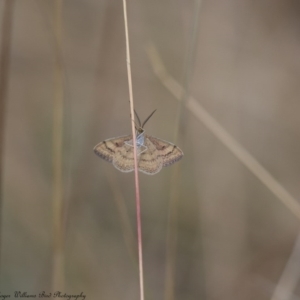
(174, 187)
(290, 277)
(58, 253)
(4, 65)
(223, 136)
(136, 172)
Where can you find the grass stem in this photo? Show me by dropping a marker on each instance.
(174, 196)
(58, 257)
(7, 17)
(136, 172)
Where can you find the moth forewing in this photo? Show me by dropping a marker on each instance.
(169, 152)
(107, 149)
(123, 159)
(104, 152)
(149, 161)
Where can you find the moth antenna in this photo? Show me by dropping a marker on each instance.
(135, 125)
(148, 118)
(140, 124)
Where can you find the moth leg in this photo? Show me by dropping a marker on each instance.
(145, 148)
(128, 143)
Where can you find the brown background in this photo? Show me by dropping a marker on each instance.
(234, 237)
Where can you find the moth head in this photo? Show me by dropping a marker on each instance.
(140, 127)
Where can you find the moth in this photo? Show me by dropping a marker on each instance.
(153, 153)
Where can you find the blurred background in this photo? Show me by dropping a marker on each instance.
(212, 228)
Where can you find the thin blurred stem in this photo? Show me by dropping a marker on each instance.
(136, 172)
(189, 67)
(4, 70)
(68, 161)
(174, 191)
(290, 276)
(58, 255)
(171, 240)
(128, 233)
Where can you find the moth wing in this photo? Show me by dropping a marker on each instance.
(168, 152)
(123, 159)
(149, 161)
(108, 148)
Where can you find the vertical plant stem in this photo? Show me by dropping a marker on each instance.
(136, 173)
(58, 257)
(174, 192)
(4, 69)
(290, 276)
(189, 66)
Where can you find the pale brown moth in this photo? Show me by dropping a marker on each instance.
(153, 153)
